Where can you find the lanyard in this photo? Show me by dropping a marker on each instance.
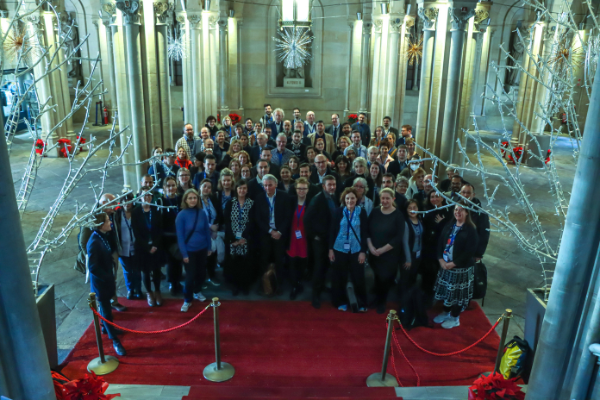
(128, 226)
(207, 208)
(280, 156)
(299, 214)
(453, 235)
(349, 218)
(224, 200)
(271, 205)
(148, 217)
(312, 128)
(104, 241)
(192, 147)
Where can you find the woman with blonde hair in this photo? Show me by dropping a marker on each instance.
(234, 148)
(236, 169)
(244, 158)
(416, 186)
(184, 180)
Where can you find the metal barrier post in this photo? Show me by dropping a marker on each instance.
(503, 338)
(218, 371)
(379, 379)
(104, 364)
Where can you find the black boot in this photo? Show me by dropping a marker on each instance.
(119, 349)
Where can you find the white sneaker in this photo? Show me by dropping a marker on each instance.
(451, 323)
(185, 307)
(343, 307)
(199, 296)
(442, 317)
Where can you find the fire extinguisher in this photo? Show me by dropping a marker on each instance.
(105, 116)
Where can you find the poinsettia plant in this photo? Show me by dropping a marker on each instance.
(352, 118)
(39, 146)
(518, 151)
(548, 156)
(504, 148)
(65, 147)
(91, 387)
(235, 118)
(495, 387)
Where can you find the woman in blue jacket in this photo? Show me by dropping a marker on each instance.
(102, 279)
(193, 237)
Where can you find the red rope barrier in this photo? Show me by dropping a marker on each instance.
(455, 352)
(150, 332)
(406, 358)
(394, 362)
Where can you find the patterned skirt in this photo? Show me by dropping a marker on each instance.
(455, 286)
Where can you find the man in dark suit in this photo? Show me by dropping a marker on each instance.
(405, 134)
(262, 142)
(396, 166)
(363, 128)
(387, 126)
(273, 218)
(210, 172)
(387, 181)
(277, 124)
(313, 189)
(335, 129)
(255, 187)
(317, 221)
(296, 145)
(322, 170)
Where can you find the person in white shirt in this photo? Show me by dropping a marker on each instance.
(359, 149)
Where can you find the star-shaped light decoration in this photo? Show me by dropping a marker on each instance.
(18, 42)
(293, 47)
(566, 55)
(591, 57)
(176, 46)
(415, 50)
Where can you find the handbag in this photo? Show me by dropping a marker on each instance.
(479, 280)
(174, 248)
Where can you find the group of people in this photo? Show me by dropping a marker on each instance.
(281, 201)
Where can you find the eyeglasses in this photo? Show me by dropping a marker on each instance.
(302, 189)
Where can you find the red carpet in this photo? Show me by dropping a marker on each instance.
(277, 344)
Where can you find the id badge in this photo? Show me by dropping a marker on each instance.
(238, 235)
(419, 254)
(347, 246)
(298, 235)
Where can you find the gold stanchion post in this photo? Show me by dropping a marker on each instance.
(507, 319)
(104, 364)
(379, 379)
(218, 371)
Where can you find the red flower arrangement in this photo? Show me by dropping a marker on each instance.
(39, 146)
(352, 118)
(235, 118)
(495, 387)
(81, 141)
(89, 388)
(219, 117)
(503, 148)
(518, 151)
(65, 146)
(548, 156)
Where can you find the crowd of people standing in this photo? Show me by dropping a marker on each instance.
(279, 201)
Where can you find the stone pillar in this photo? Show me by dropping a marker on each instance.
(213, 53)
(400, 88)
(54, 78)
(376, 79)
(64, 86)
(428, 16)
(111, 68)
(163, 13)
(223, 69)
(234, 70)
(42, 87)
(394, 55)
(459, 21)
(364, 69)
(240, 75)
(195, 116)
(131, 36)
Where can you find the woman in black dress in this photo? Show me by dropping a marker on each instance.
(146, 223)
(433, 222)
(456, 252)
(414, 231)
(387, 245)
(239, 217)
(171, 202)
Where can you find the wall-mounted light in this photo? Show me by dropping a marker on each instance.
(206, 5)
(231, 13)
(359, 16)
(385, 8)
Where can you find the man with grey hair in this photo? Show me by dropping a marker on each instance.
(360, 169)
(273, 215)
(282, 155)
(277, 124)
(261, 144)
(310, 126)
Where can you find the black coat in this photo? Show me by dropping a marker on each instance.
(465, 244)
(350, 181)
(262, 215)
(217, 205)
(336, 221)
(317, 217)
(314, 176)
(100, 265)
(273, 170)
(250, 227)
(395, 167)
(482, 224)
(313, 190)
(433, 231)
(146, 239)
(255, 188)
(299, 152)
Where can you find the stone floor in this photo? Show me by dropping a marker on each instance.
(511, 270)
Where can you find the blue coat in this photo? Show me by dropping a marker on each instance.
(100, 265)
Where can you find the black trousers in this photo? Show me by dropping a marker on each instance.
(151, 273)
(211, 265)
(297, 266)
(408, 277)
(240, 271)
(454, 310)
(105, 310)
(195, 271)
(321, 264)
(347, 263)
(429, 269)
(382, 288)
(173, 265)
(272, 251)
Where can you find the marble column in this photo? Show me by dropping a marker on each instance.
(376, 79)
(42, 87)
(131, 36)
(399, 90)
(364, 70)
(428, 16)
(213, 53)
(195, 116)
(163, 13)
(65, 87)
(112, 91)
(389, 103)
(233, 66)
(223, 70)
(459, 21)
(55, 77)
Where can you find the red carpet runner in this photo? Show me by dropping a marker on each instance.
(283, 344)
